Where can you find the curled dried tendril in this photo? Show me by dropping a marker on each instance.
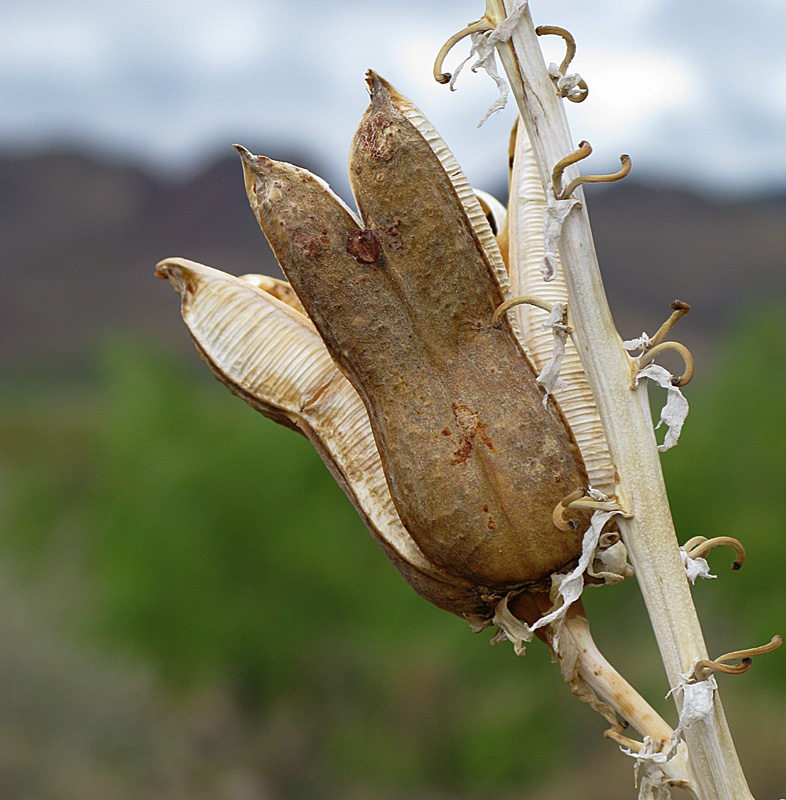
(575, 90)
(585, 149)
(614, 176)
(652, 347)
(579, 499)
(480, 26)
(703, 668)
(651, 353)
(570, 43)
(699, 546)
(679, 310)
(496, 320)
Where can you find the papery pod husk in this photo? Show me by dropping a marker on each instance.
(268, 353)
(279, 289)
(525, 257)
(404, 303)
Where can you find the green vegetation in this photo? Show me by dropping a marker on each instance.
(162, 518)
(728, 478)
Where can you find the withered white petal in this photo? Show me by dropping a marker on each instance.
(676, 409)
(549, 378)
(641, 343)
(553, 218)
(484, 45)
(511, 628)
(698, 699)
(695, 567)
(569, 587)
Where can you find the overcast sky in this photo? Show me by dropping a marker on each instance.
(692, 89)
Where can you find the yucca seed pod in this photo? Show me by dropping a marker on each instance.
(404, 302)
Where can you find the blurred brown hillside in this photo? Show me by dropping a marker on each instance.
(79, 239)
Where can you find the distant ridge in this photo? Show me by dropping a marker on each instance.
(79, 239)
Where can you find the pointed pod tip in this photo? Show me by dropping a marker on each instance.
(254, 167)
(246, 155)
(165, 267)
(384, 94)
(181, 273)
(372, 81)
(250, 159)
(378, 87)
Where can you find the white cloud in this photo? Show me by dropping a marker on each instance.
(172, 82)
(628, 87)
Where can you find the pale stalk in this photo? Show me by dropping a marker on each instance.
(608, 685)
(649, 534)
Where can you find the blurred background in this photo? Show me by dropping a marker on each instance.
(189, 607)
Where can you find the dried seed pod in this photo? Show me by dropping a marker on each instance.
(404, 302)
(271, 356)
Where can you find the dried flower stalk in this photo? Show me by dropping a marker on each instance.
(648, 532)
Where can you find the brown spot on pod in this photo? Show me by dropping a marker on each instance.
(462, 454)
(364, 246)
(470, 425)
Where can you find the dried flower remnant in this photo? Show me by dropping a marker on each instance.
(549, 378)
(713, 770)
(569, 85)
(702, 669)
(675, 411)
(697, 688)
(699, 546)
(567, 589)
(485, 37)
(695, 567)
